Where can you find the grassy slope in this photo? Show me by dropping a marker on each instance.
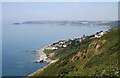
(96, 57)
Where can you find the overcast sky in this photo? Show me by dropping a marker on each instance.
(25, 11)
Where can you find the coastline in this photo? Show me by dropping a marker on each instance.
(96, 43)
(42, 69)
(41, 51)
(39, 70)
(42, 54)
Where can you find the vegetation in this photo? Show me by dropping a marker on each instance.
(95, 57)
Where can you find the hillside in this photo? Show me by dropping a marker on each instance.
(94, 57)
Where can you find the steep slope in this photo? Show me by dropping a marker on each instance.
(97, 57)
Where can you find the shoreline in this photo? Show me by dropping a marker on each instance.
(42, 57)
(42, 69)
(96, 35)
(41, 51)
(39, 70)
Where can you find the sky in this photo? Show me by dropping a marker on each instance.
(59, 0)
(33, 11)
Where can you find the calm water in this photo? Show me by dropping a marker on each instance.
(17, 39)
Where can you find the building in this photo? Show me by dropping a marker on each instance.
(64, 46)
(54, 48)
(99, 34)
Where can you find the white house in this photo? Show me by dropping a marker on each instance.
(61, 43)
(64, 46)
(54, 48)
(99, 34)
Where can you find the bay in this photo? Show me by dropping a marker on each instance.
(18, 42)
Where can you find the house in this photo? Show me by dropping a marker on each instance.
(61, 42)
(64, 46)
(99, 34)
(80, 40)
(54, 48)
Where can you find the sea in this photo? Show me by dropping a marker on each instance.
(20, 41)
